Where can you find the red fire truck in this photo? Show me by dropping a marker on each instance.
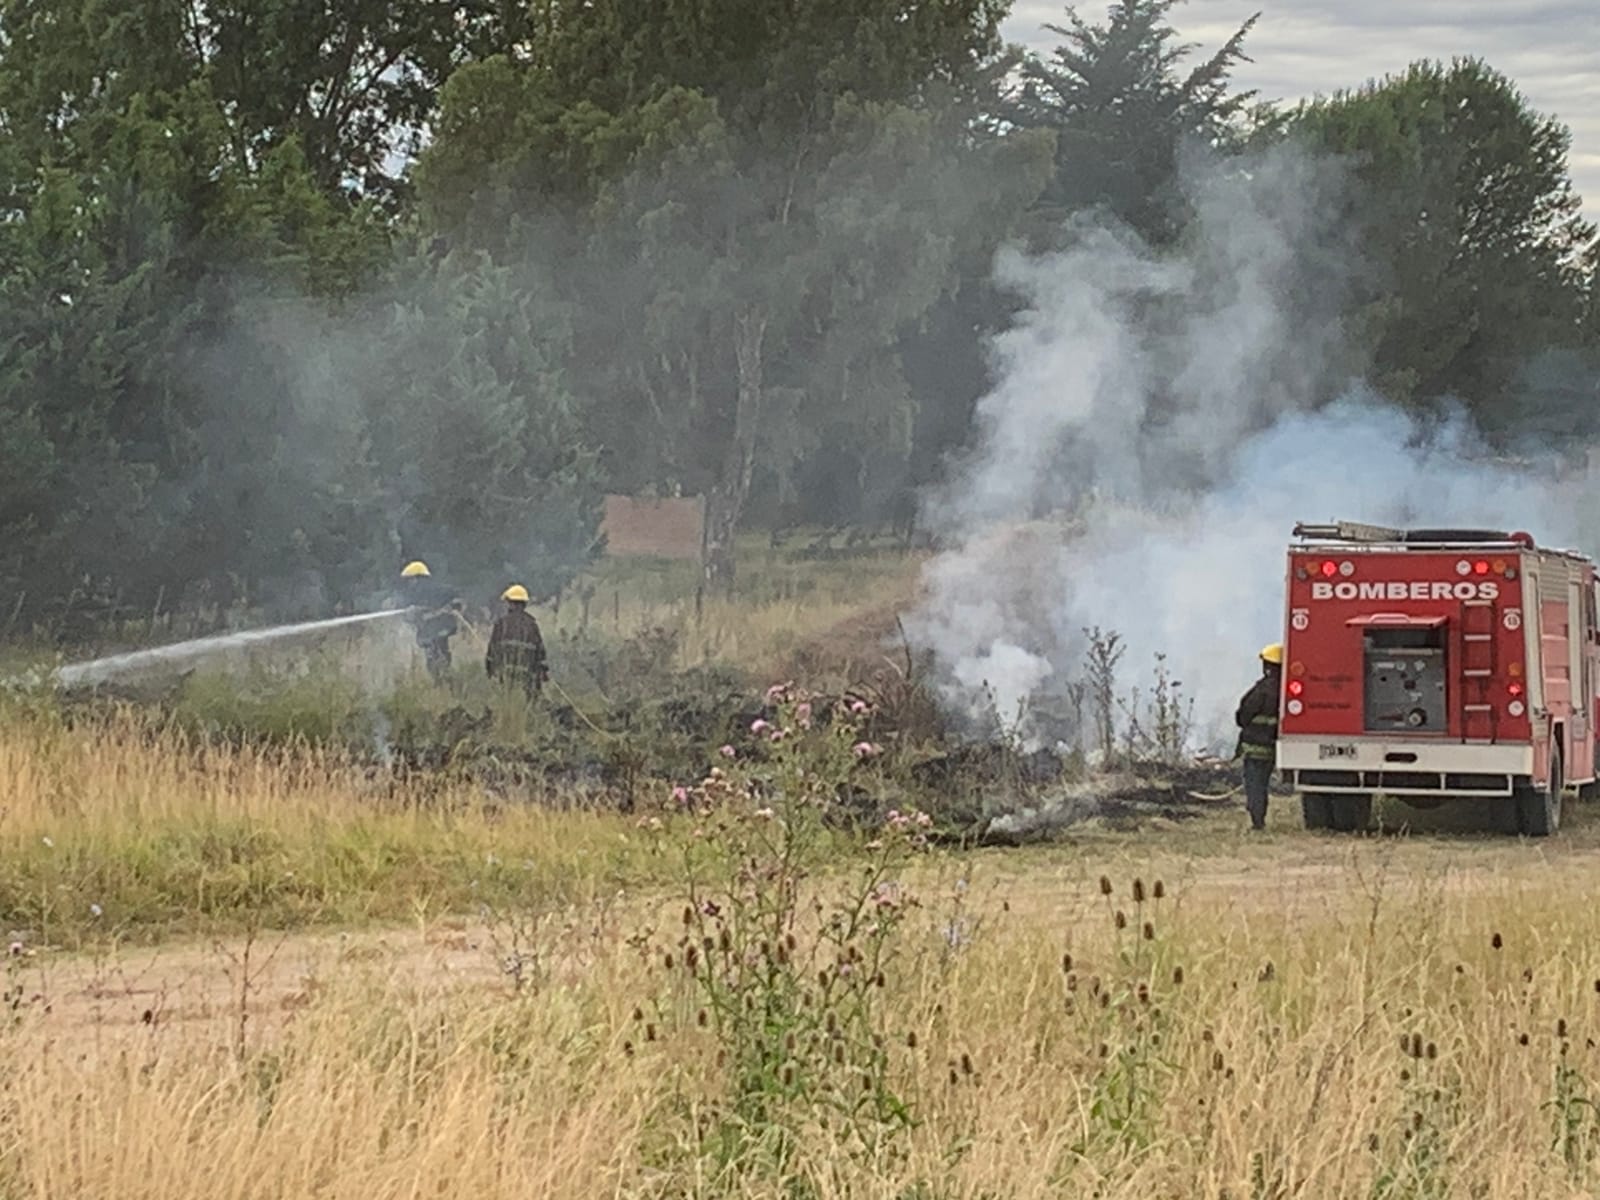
(1432, 665)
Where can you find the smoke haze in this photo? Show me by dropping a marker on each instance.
(1159, 423)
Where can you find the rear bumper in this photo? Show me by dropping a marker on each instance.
(1403, 768)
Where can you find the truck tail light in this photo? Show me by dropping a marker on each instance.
(1297, 687)
(1330, 569)
(1480, 568)
(1514, 688)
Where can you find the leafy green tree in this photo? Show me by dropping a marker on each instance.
(1124, 110)
(768, 196)
(181, 176)
(354, 82)
(1477, 250)
(475, 435)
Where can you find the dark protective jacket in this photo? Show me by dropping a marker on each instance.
(1257, 717)
(431, 601)
(516, 649)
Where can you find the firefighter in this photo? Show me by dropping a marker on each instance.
(435, 615)
(516, 649)
(1257, 718)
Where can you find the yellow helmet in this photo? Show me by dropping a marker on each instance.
(515, 594)
(414, 569)
(1273, 654)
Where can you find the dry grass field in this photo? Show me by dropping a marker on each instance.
(475, 1002)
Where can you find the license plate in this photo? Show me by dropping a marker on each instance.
(1329, 750)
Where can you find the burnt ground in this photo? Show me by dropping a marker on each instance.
(996, 796)
(626, 756)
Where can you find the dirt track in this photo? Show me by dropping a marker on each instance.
(198, 988)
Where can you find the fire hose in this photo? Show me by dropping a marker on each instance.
(478, 637)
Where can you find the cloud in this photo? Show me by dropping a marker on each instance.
(1308, 47)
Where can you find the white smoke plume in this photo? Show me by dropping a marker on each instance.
(1159, 424)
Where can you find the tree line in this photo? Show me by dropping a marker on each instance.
(293, 290)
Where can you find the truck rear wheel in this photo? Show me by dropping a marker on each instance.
(1351, 814)
(1318, 809)
(1539, 809)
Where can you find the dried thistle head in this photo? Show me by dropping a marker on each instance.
(1105, 885)
(1138, 891)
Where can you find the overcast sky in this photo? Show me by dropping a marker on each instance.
(1549, 48)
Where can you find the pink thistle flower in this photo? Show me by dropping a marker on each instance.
(760, 726)
(865, 750)
(802, 714)
(777, 692)
(858, 707)
(728, 752)
(680, 795)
